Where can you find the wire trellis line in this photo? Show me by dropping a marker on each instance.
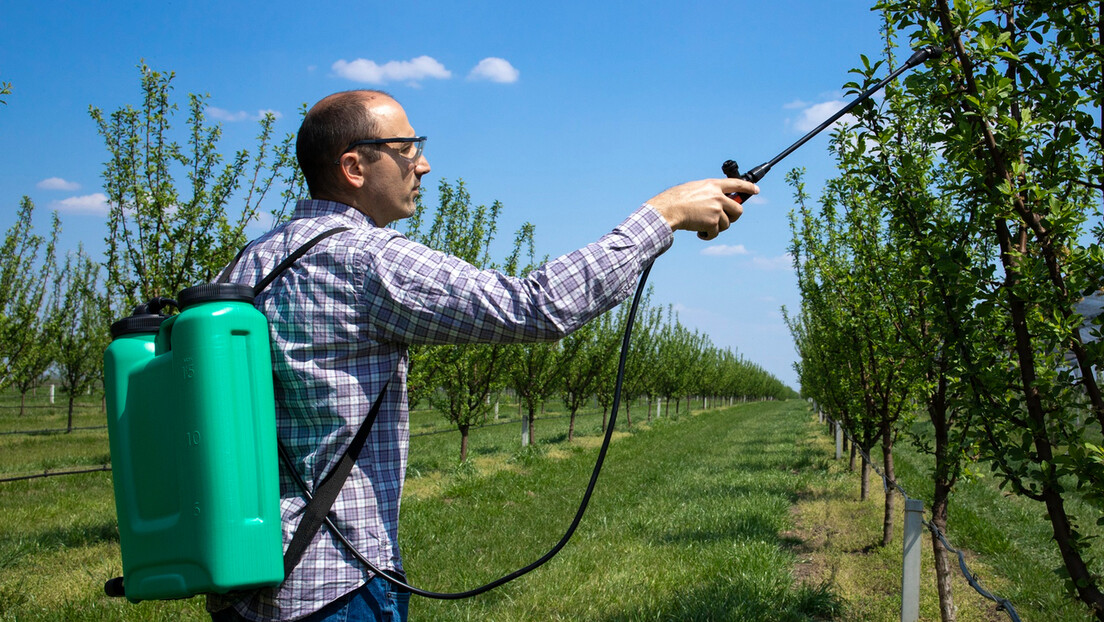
(54, 430)
(49, 473)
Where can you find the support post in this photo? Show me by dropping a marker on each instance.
(51, 394)
(839, 441)
(910, 568)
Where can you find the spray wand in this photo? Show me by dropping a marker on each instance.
(732, 170)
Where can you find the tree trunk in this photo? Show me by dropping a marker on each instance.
(532, 418)
(1083, 580)
(464, 443)
(864, 487)
(944, 479)
(890, 496)
(854, 456)
(571, 428)
(943, 570)
(69, 426)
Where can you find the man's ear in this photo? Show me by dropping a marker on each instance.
(352, 171)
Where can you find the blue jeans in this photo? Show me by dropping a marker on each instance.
(375, 601)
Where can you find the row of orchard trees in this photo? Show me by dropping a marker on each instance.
(165, 234)
(666, 360)
(940, 271)
(55, 311)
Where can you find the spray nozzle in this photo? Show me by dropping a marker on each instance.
(923, 55)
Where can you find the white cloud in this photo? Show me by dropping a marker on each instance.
(782, 262)
(262, 222)
(91, 204)
(495, 70)
(222, 114)
(813, 115)
(413, 70)
(724, 250)
(57, 183)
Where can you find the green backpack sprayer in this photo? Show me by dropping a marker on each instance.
(192, 429)
(191, 421)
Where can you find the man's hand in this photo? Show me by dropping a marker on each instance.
(702, 206)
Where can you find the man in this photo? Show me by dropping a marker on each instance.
(342, 317)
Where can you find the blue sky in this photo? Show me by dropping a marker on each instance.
(569, 113)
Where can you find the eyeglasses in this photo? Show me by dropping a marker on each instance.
(411, 150)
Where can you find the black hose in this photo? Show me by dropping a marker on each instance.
(582, 504)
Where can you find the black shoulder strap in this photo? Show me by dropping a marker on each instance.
(283, 265)
(294, 257)
(326, 492)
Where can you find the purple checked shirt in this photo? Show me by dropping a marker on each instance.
(341, 319)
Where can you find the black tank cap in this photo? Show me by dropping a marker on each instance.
(131, 324)
(215, 292)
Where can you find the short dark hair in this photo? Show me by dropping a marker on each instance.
(327, 129)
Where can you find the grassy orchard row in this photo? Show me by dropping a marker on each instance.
(940, 272)
(685, 522)
(730, 514)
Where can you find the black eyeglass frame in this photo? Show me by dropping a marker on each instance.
(384, 141)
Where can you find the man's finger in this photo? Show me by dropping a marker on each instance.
(734, 185)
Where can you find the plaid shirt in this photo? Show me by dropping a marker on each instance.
(341, 319)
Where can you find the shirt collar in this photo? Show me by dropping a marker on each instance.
(314, 208)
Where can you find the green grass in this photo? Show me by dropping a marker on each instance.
(48, 447)
(731, 514)
(685, 524)
(680, 527)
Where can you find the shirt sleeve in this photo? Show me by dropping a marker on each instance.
(416, 295)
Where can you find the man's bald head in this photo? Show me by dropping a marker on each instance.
(328, 127)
